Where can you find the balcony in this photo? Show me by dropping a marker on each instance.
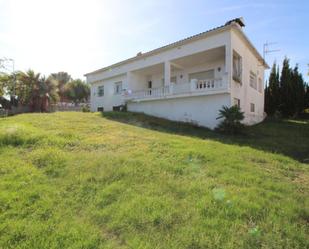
(193, 88)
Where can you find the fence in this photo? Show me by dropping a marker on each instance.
(68, 107)
(3, 113)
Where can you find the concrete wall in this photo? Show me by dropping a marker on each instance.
(244, 91)
(198, 110)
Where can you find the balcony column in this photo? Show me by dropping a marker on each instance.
(128, 82)
(167, 73)
(228, 64)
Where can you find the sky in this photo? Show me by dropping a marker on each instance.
(79, 36)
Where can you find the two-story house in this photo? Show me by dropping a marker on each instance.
(189, 80)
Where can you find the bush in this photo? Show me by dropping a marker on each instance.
(232, 117)
(85, 109)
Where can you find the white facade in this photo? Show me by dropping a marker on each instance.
(189, 80)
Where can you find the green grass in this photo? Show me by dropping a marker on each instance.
(83, 180)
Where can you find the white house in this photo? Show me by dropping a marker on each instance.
(189, 80)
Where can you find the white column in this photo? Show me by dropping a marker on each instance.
(167, 73)
(128, 84)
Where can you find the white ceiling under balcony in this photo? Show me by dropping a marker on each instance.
(200, 58)
(154, 69)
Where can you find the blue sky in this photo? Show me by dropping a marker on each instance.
(79, 36)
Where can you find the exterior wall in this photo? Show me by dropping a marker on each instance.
(198, 110)
(109, 99)
(244, 91)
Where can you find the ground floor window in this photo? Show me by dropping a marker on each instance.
(100, 109)
(100, 91)
(118, 87)
(252, 107)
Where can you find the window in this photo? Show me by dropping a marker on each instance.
(100, 109)
(237, 67)
(174, 79)
(118, 87)
(100, 91)
(252, 107)
(253, 80)
(237, 102)
(260, 85)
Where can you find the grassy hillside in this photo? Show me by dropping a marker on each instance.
(82, 180)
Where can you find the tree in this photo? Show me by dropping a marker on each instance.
(272, 91)
(62, 78)
(286, 89)
(287, 93)
(27, 87)
(232, 117)
(307, 97)
(3, 83)
(298, 93)
(77, 91)
(36, 91)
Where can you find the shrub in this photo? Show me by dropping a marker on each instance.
(232, 117)
(85, 109)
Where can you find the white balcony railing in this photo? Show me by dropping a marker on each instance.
(195, 86)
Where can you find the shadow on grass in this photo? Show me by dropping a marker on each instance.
(287, 137)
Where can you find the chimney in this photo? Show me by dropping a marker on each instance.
(240, 21)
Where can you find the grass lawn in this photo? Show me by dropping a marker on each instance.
(83, 180)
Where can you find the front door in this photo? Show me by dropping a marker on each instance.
(149, 84)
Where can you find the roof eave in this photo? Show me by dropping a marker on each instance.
(166, 47)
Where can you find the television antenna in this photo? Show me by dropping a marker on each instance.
(267, 48)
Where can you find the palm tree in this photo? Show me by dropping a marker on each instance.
(232, 117)
(36, 91)
(48, 93)
(77, 91)
(27, 88)
(62, 78)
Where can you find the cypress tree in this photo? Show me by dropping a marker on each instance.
(307, 97)
(272, 94)
(299, 93)
(288, 93)
(286, 89)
